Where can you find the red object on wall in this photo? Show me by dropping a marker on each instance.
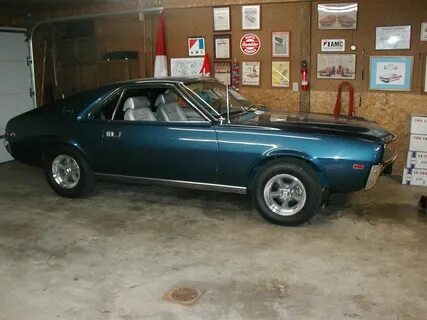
(206, 67)
(304, 76)
(161, 62)
(338, 103)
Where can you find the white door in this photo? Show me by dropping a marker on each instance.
(15, 80)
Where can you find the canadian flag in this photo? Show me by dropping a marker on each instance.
(206, 67)
(161, 62)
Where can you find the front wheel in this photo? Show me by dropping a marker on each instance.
(68, 173)
(287, 192)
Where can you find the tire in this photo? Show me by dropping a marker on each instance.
(287, 192)
(68, 172)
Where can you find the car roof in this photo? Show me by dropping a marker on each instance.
(86, 98)
(165, 80)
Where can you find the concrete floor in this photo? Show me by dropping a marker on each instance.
(113, 256)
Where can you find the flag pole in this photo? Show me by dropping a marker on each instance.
(228, 100)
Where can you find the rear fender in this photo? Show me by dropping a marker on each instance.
(70, 143)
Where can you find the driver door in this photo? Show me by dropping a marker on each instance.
(185, 150)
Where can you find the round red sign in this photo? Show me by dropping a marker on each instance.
(250, 44)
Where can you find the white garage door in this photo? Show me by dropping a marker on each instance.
(15, 80)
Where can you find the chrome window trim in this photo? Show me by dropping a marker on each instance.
(176, 183)
(165, 84)
(101, 103)
(207, 104)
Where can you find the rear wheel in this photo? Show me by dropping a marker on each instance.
(68, 173)
(287, 192)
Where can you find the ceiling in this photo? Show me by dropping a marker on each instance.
(36, 5)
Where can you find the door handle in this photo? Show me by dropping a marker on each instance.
(113, 134)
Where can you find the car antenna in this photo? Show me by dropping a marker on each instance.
(228, 100)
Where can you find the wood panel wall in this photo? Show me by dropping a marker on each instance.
(373, 13)
(390, 109)
(181, 24)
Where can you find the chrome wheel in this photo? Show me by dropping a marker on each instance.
(285, 194)
(65, 171)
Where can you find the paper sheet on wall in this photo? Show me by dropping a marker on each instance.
(186, 67)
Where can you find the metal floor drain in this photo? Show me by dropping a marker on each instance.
(184, 296)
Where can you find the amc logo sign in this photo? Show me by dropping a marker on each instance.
(331, 45)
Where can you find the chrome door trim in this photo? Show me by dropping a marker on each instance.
(175, 183)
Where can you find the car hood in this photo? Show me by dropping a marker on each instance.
(320, 123)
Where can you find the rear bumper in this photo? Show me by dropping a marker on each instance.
(378, 169)
(6, 142)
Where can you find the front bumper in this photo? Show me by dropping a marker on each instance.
(377, 169)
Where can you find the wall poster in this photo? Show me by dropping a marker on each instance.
(424, 31)
(337, 16)
(391, 73)
(222, 72)
(251, 73)
(281, 44)
(393, 38)
(186, 67)
(280, 74)
(222, 46)
(251, 17)
(425, 76)
(221, 18)
(336, 66)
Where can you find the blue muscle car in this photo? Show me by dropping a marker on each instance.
(196, 133)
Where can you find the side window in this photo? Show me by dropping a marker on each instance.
(171, 106)
(106, 111)
(135, 105)
(161, 104)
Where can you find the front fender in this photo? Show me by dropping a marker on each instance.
(288, 153)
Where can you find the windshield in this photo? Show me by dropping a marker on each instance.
(213, 96)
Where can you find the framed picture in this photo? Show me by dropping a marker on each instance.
(251, 73)
(336, 16)
(196, 46)
(390, 73)
(393, 38)
(251, 17)
(186, 67)
(424, 31)
(425, 76)
(222, 46)
(336, 66)
(221, 18)
(280, 44)
(222, 72)
(280, 74)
